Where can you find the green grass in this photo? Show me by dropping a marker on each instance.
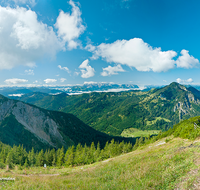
(174, 164)
(133, 132)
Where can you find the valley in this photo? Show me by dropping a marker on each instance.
(31, 126)
(99, 95)
(113, 112)
(156, 144)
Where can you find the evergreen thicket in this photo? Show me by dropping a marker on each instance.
(73, 156)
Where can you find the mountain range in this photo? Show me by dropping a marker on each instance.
(31, 126)
(71, 89)
(112, 112)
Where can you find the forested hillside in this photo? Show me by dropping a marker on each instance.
(157, 109)
(31, 126)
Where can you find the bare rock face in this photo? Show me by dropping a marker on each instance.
(34, 120)
(37, 122)
(185, 107)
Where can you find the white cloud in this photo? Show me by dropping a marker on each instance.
(63, 68)
(186, 61)
(50, 81)
(63, 80)
(29, 72)
(24, 38)
(136, 53)
(70, 27)
(86, 69)
(90, 82)
(184, 81)
(15, 81)
(189, 80)
(179, 80)
(112, 70)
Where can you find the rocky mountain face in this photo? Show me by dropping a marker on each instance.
(22, 123)
(185, 101)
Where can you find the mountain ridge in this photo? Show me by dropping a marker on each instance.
(113, 112)
(26, 124)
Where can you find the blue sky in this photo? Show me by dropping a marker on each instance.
(122, 41)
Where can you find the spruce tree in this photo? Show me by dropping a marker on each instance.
(31, 157)
(40, 158)
(60, 156)
(69, 156)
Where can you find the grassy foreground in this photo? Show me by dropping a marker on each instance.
(165, 164)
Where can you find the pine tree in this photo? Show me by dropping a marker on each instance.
(47, 157)
(31, 157)
(97, 153)
(141, 141)
(69, 156)
(77, 158)
(40, 158)
(52, 158)
(26, 163)
(60, 156)
(91, 152)
(136, 144)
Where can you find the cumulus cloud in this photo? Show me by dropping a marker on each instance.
(70, 26)
(86, 70)
(50, 81)
(184, 81)
(24, 38)
(179, 80)
(140, 55)
(186, 61)
(63, 80)
(112, 70)
(189, 80)
(14, 81)
(63, 68)
(29, 72)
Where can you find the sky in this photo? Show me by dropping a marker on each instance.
(57, 42)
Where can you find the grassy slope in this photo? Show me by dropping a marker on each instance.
(174, 164)
(133, 132)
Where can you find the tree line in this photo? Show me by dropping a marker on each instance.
(73, 156)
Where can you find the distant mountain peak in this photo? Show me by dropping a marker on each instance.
(62, 95)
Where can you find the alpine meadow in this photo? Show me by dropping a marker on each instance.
(99, 95)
